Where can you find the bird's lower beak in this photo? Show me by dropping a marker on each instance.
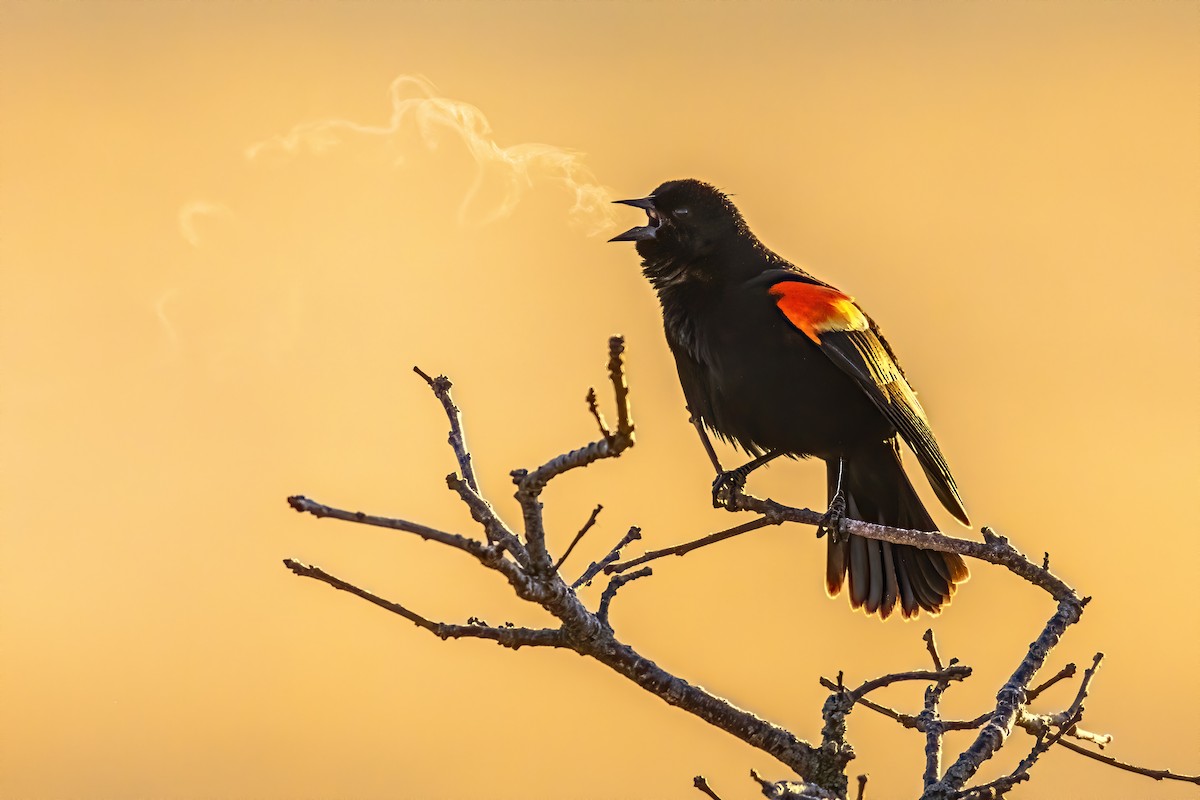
(642, 232)
(638, 234)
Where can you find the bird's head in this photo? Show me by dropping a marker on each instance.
(687, 220)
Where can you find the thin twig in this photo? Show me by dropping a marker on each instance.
(931, 646)
(595, 567)
(1157, 774)
(687, 547)
(531, 483)
(614, 585)
(594, 410)
(862, 786)
(506, 636)
(910, 721)
(1066, 672)
(306, 506)
(587, 526)
(952, 673)
(441, 386)
(616, 374)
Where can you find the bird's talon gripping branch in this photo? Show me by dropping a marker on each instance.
(727, 486)
(831, 523)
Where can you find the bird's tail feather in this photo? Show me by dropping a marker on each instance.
(883, 575)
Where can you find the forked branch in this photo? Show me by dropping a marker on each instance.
(524, 559)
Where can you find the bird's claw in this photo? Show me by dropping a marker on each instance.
(831, 522)
(727, 486)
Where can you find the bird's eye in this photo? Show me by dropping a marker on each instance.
(681, 212)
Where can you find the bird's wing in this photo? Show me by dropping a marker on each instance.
(849, 337)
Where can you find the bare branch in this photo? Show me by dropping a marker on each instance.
(506, 636)
(687, 547)
(441, 388)
(594, 410)
(306, 506)
(595, 567)
(953, 673)
(909, 720)
(1085, 684)
(616, 374)
(614, 586)
(1033, 723)
(530, 484)
(529, 570)
(587, 526)
(610, 446)
(1157, 774)
(995, 549)
(931, 718)
(931, 645)
(1020, 774)
(862, 786)
(1066, 672)
(1008, 704)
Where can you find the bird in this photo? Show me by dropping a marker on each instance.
(779, 363)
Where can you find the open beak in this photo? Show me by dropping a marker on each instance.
(642, 232)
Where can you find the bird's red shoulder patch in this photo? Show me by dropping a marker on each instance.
(817, 309)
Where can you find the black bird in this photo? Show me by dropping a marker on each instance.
(780, 363)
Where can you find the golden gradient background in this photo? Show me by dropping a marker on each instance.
(188, 336)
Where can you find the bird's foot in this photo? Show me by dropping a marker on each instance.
(727, 486)
(831, 522)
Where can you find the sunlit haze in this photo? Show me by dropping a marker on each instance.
(228, 231)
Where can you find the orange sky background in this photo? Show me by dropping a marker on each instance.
(193, 328)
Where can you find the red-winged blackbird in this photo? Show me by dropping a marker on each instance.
(780, 363)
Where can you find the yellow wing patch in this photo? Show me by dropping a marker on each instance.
(817, 309)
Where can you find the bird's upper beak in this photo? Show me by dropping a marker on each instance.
(642, 232)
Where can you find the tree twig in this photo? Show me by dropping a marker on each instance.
(441, 386)
(614, 586)
(687, 547)
(595, 567)
(952, 673)
(597, 414)
(1066, 672)
(587, 526)
(1156, 774)
(507, 636)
